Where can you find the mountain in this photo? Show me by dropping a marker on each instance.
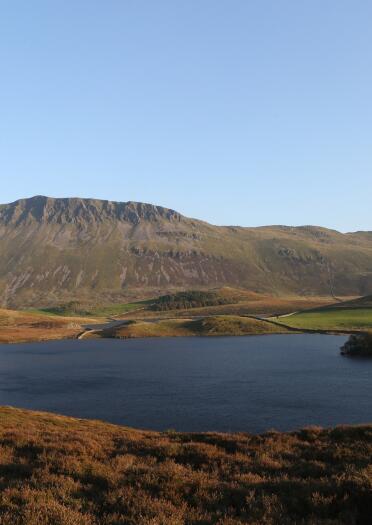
(54, 250)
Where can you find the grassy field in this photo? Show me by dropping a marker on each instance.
(24, 326)
(111, 310)
(116, 310)
(208, 326)
(348, 319)
(57, 470)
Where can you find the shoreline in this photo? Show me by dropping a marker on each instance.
(91, 420)
(123, 338)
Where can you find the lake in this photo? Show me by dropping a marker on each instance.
(248, 384)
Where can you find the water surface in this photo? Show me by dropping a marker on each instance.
(227, 384)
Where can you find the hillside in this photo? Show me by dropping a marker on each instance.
(225, 301)
(58, 250)
(65, 471)
(360, 302)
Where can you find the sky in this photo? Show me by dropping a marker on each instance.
(248, 112)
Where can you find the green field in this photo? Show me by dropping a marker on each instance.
(331, 319)
(118, 309)
(71, 309)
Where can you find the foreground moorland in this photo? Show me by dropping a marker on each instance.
(65, 471)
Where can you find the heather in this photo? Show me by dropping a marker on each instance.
(65, 471)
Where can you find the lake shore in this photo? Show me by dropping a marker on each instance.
(216, 326)
(21, 327)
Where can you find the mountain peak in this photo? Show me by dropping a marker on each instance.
(56, 250)
(75, 210)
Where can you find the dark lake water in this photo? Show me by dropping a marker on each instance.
(226, 384)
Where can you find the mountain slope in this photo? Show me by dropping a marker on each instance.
(53, 250)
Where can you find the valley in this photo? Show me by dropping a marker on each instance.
(230, 312)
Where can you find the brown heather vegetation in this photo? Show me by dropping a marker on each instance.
(57, 470)
(19, 327)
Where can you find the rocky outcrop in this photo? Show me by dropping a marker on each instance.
(47, 210)
(359, 345)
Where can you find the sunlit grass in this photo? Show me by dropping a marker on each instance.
(332, 319)
(224, 325)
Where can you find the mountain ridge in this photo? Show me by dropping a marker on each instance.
(33, 203)
(57, 249)
(52, 209)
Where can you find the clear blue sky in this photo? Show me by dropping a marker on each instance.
(243, 112)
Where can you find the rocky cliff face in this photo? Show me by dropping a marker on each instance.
(54, 250)
(83, 212)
